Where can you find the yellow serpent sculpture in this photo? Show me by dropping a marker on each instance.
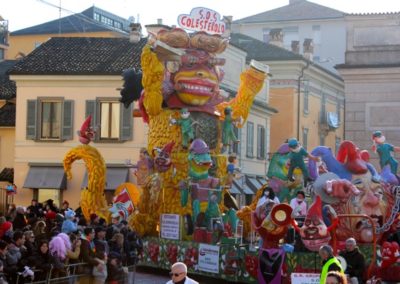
(92, 198)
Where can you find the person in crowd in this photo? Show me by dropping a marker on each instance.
(334, 277)
(75, 251)
(12, 212)
(30, 243)
(113, 228)
(115, 270)
(94, 220)
(35, 208)
(20, 222)
(268, 194)
(3, 258)
(329, 262)
(88, 255)
(117, 245)
(134, 246)
(5, 226)
(15, 252)
(100, 271)
(100, 240)
(65, 207)
(355, 261)
(69, 225)
(41, 260)
(40, 230)
(58, 252)
(299, 204)
(179, 274)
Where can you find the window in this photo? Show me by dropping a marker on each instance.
(266, 35)
(49, 119)
(42, 195)
(115, 121)
(338, 106)
(337, 144)
(260, 142)
(322, 139)
(290, 34)
(305, 138)
(96, 16)
(316, 34)
(306, 85)
(250, 139)
(1, 53)
(118, 25)
(323, 108)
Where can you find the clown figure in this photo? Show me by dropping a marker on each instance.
(69, 225)
(228, 134)
(296, 158)
(384, 151)
(186, 124)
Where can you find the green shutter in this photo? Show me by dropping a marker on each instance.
(126, 125)
(68, 120)
(90, 109)
(31, 120)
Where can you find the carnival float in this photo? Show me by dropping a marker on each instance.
(181, 204)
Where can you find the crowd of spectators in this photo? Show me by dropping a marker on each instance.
(37, 239)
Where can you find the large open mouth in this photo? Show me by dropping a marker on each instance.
(365, 223)
(196, 87)
(315, 244)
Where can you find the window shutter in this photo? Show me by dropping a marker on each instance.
(126, 125)
(31, 120)
(90, 109)
(68, 119)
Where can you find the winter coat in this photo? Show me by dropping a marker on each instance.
(355, 262)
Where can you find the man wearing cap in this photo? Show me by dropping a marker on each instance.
(329, 262)
(355, 261)
(384, 151)
(296, 157)
(179, 274)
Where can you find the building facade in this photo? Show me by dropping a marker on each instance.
(308, 97)
(297, 21)
(371, 74)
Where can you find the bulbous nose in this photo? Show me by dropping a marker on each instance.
(370, 199)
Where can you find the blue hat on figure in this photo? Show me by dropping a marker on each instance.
(377, 134)
(293, 143)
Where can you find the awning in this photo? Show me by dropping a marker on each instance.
(262, 180)
(235, 189)
(46, 177)
(243, 186)
(253, 183)
(115, 176)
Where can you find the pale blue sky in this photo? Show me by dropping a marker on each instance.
(26, 13)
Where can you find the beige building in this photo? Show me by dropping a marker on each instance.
(371, 73)
(309, 98)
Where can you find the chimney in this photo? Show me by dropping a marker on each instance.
(136, 32)
(159, 22)
(296, 46)
(276, 37)
(308, 49)
(228, 26)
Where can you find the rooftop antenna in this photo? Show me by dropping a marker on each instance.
(138, 18)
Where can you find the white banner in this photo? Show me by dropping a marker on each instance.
(209, 258)
(170, 226)
(305, 278)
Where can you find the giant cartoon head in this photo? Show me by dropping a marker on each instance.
(193, 75)
(314, 233)
(162, 157)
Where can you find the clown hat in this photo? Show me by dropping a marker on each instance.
(293, 143)
(168, 148)
(315, 208)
